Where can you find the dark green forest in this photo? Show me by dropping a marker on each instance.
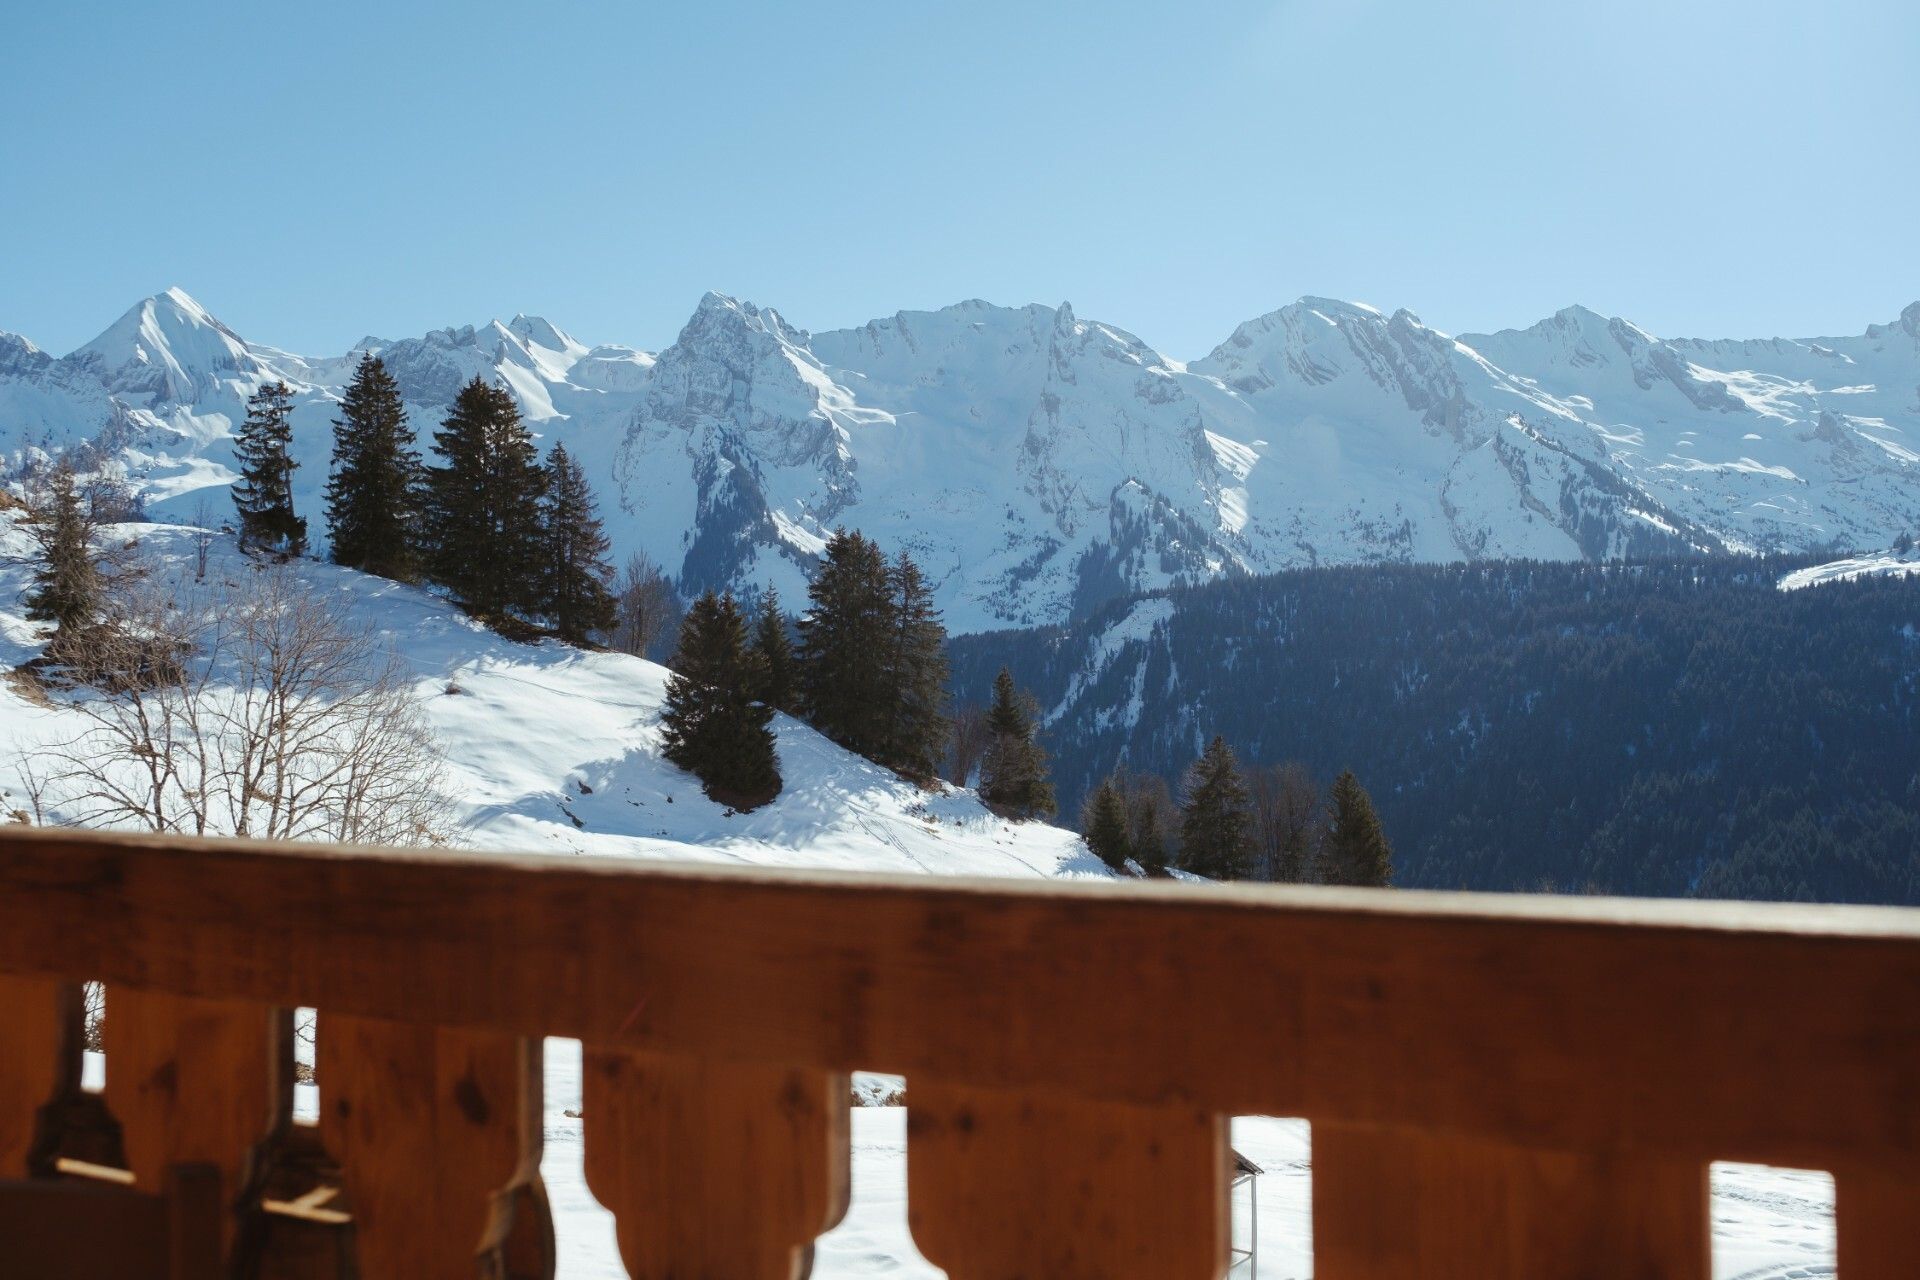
(1664, 729)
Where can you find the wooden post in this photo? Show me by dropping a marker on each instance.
(1391, 1204)
(715, 1169)
(39, 1057)
(1877, 1225)
(437, 1131)
(1006, 1186)
(192, 1082)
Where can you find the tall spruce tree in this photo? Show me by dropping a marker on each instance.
(1104, 825)
(714, 726)
(373, 493)
(1355, 849)
(1214, 837)
(67, 583)
(264, 496)
(578, 595)
(1149, 806)
(916, 675)
(778, 676)
(844, 638)
(483, 506)
(1013, 776)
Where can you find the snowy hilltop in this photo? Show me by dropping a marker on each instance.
(1036, 463)
(548, 748)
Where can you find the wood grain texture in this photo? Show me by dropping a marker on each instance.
(37, 1059)
(1005, 1186)
(1877, 1225)
(436, 1131)
(1576, 1024)
(1390, 1205)
(715, 1171)
(191, 1081)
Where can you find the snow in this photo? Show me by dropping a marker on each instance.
(1885, 564)
(1003, 444)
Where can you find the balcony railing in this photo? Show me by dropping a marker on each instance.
(1498, 1087)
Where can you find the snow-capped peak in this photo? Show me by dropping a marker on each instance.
(170, 349)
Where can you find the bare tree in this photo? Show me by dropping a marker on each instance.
(646, 609)
(250, 711)
(1286, 822)
(971, 738)
(206, 523)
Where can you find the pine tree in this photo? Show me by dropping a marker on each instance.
(1104, 826)
(1214, 837)
(916, 676)
(373, 494)
(1355, 850)
(483, 535)
(775, 648)
(844, 637)
(1013, 777)
(264, 495)
(67, 584)
(713, 725)
(578, 599)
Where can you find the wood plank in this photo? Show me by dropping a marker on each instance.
(1553, 1022)
(192, 1081)
(1391, 1204)
(436, 1130)
(715, 1169)
(38, 1059)
(1877, 1225)
(1005, 1186)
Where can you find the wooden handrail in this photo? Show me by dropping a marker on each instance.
(1462, 1040)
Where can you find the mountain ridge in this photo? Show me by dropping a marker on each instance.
(1037, 461)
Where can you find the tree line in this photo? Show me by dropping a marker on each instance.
(1265, 824)
(1665, 729)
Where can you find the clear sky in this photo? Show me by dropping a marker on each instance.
(319, 172)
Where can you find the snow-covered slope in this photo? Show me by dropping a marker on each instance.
(550, 748)
(1880, 564)
(1038, 462)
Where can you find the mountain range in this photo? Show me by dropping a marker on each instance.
(1038, 464)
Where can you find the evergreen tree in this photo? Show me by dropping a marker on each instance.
(713, 725)
(67, 583)
(1104, 825)
(1013, 777)
(264, 495)
(916, 675)
(483, 534)
(373, 493)
(844, 637)
(1355, 850)
(778, 676)
(1214, 837)
(578, 599)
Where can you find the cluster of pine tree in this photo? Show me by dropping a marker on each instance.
(1230, 830)
(1013, 771)
(512, 539)
(717, 720)
(870, 670)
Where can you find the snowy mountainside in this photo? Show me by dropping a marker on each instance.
(554, 749)
(1037, 462)
(1880, 564)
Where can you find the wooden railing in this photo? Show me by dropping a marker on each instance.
(1498, 1087)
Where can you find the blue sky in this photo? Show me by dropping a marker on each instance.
(1706, 168)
